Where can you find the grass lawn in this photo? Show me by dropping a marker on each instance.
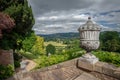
(55, 44)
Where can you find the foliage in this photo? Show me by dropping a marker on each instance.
(6, 71)
(38, 47)
(6, 24)
(29, 55)
(50, 49)
(109, 57)
(17, 59)
(23, 18)
(7, 3)
(110, 41)
(44, 61)
(54, 43)
(28, 42)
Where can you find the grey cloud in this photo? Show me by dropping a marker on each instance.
(54, 16)
(42, 6)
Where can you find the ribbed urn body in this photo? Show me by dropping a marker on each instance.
(89, 35)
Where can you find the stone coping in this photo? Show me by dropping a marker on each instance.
(101, 67)
(71, 68)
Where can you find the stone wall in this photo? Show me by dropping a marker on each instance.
(101, 67)
(6, 57)
(70, 68)
(37, 74)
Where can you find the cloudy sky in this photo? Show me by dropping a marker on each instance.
(59, 16)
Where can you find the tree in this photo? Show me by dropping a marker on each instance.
(29, 42)
(23, 18)
(110, 41)
(38, 47)
(109, 35)
(50, 49)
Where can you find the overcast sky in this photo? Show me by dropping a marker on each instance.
(59, 16)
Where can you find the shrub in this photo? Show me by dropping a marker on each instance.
(50, 49)
(6, 71)
(17, 59)
(109, 57)
(44, 61)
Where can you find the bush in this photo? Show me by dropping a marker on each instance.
(6, 71)
(44, 61)
(109, 57)
(17, 59)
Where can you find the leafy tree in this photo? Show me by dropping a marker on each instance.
(21, 13)
(50, 49)
(23, 18)
(109, 35)
(7, 3)
(110, 41)
(38, 47)
(29, 42)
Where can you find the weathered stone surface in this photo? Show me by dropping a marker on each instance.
(92, 59)
(6, 57)
(102, 76)
(89, 35)
(72, 62)
(98, 67)
(83, 63)
(108, 69)
(117, 73)
(71, 72)
(86, 76)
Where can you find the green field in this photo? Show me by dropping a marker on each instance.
(56, 44)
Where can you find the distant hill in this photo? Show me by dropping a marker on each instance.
(69, 35)
(60, 36)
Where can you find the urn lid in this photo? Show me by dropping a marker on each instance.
(89, 25)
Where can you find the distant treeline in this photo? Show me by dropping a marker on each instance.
(110, 40)
(55, 36)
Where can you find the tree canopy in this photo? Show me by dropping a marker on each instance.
(110, 41)
(21, 12)
(50, 49)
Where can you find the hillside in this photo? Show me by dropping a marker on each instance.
(60, 36)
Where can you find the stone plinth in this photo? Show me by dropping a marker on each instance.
(87, 61)
(90, 58)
